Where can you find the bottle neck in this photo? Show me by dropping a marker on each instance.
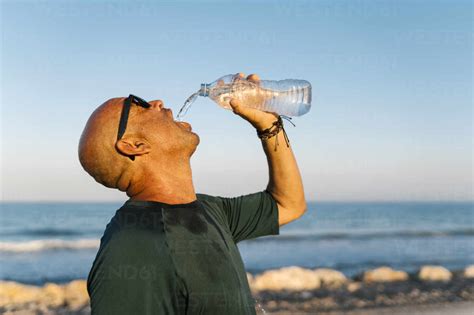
(204, 91)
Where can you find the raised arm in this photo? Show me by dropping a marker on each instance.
(285, 182)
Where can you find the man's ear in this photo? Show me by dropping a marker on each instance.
(131, 147)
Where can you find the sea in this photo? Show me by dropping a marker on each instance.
(57, 242)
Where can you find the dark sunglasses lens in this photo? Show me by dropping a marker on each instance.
(140, 101)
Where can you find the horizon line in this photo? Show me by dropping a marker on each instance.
(309, 201)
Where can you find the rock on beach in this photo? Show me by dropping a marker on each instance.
(384, 274)
(469, 272)
(330, 278)
(434, 273)
(288, 278)
(72, 295)
(76, 294)
(12, 293)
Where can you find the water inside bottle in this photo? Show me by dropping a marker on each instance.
(222, 93)
(249, 93)
(187, 104)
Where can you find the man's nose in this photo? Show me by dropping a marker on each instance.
(157, 103)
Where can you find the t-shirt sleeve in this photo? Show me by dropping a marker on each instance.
(250, 216)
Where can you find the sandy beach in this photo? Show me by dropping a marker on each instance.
(432, 290)
(457, 308)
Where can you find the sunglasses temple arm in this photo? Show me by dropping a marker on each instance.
(124, 117)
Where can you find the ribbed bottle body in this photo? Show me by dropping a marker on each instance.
(286, 97)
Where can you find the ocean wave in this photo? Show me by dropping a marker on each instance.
(83, 244)
(301, 236)
(50, 244)
(42, 232)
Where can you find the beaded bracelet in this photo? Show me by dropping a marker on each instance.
(274, 129)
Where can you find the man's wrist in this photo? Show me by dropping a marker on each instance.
(274, 130)
(265, 125)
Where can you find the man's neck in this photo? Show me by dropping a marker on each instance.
(172, 185)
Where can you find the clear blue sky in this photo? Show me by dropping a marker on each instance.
(392, 89)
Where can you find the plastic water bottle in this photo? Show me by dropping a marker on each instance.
(285, 97)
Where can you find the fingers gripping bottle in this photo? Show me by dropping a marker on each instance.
(285, 97)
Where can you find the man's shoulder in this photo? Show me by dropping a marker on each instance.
(209, 198)
(129, 227)
(213, 205)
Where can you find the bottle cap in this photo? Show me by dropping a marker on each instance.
(204, 90)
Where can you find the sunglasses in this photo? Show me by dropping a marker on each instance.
(126, 111)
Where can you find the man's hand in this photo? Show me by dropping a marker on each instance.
(259, 119)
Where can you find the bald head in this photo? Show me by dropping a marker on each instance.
(160, 145)
(97, 152)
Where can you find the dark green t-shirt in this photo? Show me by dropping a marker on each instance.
(156, 258)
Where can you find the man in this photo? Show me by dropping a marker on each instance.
(169, 250)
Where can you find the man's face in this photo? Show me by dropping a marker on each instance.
(157, 124)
